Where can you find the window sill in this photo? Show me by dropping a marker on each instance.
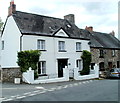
(42, 50)
(43, 75)
(79, 51)
(62, 51)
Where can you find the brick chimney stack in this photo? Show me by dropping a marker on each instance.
(70, 18)
(12, 8)
(90, 28)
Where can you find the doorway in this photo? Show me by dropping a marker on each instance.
(61, 64)
(110, 65)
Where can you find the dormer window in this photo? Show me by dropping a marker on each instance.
(69, 26)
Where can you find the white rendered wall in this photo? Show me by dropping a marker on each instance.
(51, 55)
(11, 37)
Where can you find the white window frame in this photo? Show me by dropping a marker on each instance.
(42, 67)
(3, 45)
(79, 64)
(113, 52)
(78, 46)
(41, 44)
(61, 45)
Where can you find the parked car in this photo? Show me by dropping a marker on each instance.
(114, 73)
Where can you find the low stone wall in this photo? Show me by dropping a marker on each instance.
(8, 74)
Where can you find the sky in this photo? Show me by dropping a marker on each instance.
(101, 14)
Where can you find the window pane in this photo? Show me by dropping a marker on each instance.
(41, 44)
(79, 64)
(39, 68)
(61, 45)
(42, 67)
(2, 45)
(78, 46)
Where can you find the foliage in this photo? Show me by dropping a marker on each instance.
(1, 24)
(86, 57)
(27, 59)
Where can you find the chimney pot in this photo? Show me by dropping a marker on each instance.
(112, 33)
(90, 28)
(12, 8)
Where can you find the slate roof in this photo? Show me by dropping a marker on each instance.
(102, 40)
(43, 25)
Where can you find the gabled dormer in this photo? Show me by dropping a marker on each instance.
(61, 33)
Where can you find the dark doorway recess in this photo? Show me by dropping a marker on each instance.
(61, 64)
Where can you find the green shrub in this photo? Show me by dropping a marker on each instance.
(27, 59)
(86, 57)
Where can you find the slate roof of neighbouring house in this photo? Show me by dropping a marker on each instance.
(43, 25)
(102, 40)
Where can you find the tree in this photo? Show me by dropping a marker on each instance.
(86, 57)
(27, 59)
(1, 25)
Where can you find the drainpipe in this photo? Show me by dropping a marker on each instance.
(21, 42)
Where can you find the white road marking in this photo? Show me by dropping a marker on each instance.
(27, 93)
(70, 85)
(21, 97)
(83, 82)
(39, 87)
(31, 95)
(65, 86)
(75, 84)
(36, 91)
(50, 90)
(8, 99)
(58, 88)
(42, 92)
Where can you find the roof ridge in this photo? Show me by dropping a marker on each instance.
(40, 15)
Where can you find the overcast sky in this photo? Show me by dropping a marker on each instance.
(101, 14)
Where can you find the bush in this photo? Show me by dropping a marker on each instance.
(27, 59)
(86, 57)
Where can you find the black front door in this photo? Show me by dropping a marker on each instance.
(61, 64)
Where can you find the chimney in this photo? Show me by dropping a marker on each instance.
(90, 28)
(112, 33)
(70, 18)
(12, 8)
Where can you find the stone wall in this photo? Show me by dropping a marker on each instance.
(8, 74)
(108, 57)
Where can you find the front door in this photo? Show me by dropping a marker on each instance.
(61, 64)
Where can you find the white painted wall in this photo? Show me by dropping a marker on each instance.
(11, 37)
(51, 54)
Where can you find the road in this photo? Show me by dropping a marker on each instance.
(90, 90)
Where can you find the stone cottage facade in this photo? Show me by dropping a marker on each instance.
(105, 49)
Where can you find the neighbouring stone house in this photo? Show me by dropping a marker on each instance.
(59, 40)
(105, 49)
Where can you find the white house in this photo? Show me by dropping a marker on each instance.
(60, 41)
